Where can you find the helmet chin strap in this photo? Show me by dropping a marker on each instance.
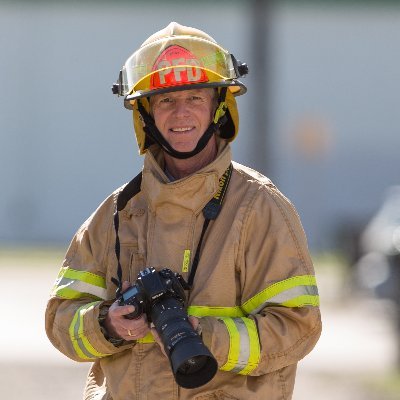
(152, 131)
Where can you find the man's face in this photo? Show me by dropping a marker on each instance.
(182, 117)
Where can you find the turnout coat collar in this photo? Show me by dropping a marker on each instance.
(191, 193)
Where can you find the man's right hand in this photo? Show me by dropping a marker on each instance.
(118, 326)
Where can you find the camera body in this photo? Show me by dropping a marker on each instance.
(152, 287)
(161, 296)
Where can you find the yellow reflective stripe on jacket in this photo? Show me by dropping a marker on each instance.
(244, 345)
(254, 340)
(205, 311)
(302, 301)
(74, 284)
(297, 291)
(147, 339)
(81, 344)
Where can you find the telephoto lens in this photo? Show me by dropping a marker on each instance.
(161, 296)
(192, 363)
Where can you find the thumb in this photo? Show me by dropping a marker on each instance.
(125, 285)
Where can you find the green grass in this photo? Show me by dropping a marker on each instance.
(388, 386)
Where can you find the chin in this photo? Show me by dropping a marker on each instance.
(183, 148)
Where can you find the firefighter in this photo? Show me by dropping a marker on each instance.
(225, 229)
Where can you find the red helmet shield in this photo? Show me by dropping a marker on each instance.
(176, 66)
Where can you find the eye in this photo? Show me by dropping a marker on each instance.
(166, 100)
(196, 99)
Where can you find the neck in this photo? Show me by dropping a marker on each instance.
(182, 168)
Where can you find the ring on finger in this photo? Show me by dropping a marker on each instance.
(129, 333)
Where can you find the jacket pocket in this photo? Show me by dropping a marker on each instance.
(136, 264)
(129, 260)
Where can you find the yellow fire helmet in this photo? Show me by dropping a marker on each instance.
(178, 58)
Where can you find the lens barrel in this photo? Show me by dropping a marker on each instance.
(192, 363)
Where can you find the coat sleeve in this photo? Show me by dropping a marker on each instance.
(278, 322)
(80, 289)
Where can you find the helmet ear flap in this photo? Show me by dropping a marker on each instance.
(225, 132)
(229, 130)
(143, 140)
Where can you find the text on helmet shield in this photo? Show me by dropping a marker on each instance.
(176, 66)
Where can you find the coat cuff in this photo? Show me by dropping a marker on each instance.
(87, 338)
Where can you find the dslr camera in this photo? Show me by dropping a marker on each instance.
(161, 296)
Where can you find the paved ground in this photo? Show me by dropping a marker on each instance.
(352, 361)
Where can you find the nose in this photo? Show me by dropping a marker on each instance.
(181, 108)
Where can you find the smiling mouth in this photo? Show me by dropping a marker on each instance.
(182, 130)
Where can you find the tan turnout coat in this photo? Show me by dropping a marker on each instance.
(254, 267)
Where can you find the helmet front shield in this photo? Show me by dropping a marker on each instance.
(176, 62)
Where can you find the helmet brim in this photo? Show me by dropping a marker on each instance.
(236, 87)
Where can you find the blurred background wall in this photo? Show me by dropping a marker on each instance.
(320, 117)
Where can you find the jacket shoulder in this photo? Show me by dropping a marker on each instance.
(252, 176)
(95, 233)
(105, 209)
(270, 208)
(264, 193)
(259, 185)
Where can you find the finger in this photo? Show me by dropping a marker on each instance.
(137, 327)
(155, 335)
(129, 335)
(120, 311)
(137, 324)
(194, 321)
(135, 334)
(125, 285)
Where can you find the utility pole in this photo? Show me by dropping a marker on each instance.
(260, 69)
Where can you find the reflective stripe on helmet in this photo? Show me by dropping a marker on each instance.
(74, 284)
(297, 291)
(80, 341)
(244, 345)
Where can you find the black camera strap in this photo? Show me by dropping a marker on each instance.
(127, 193)
(210, 212)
